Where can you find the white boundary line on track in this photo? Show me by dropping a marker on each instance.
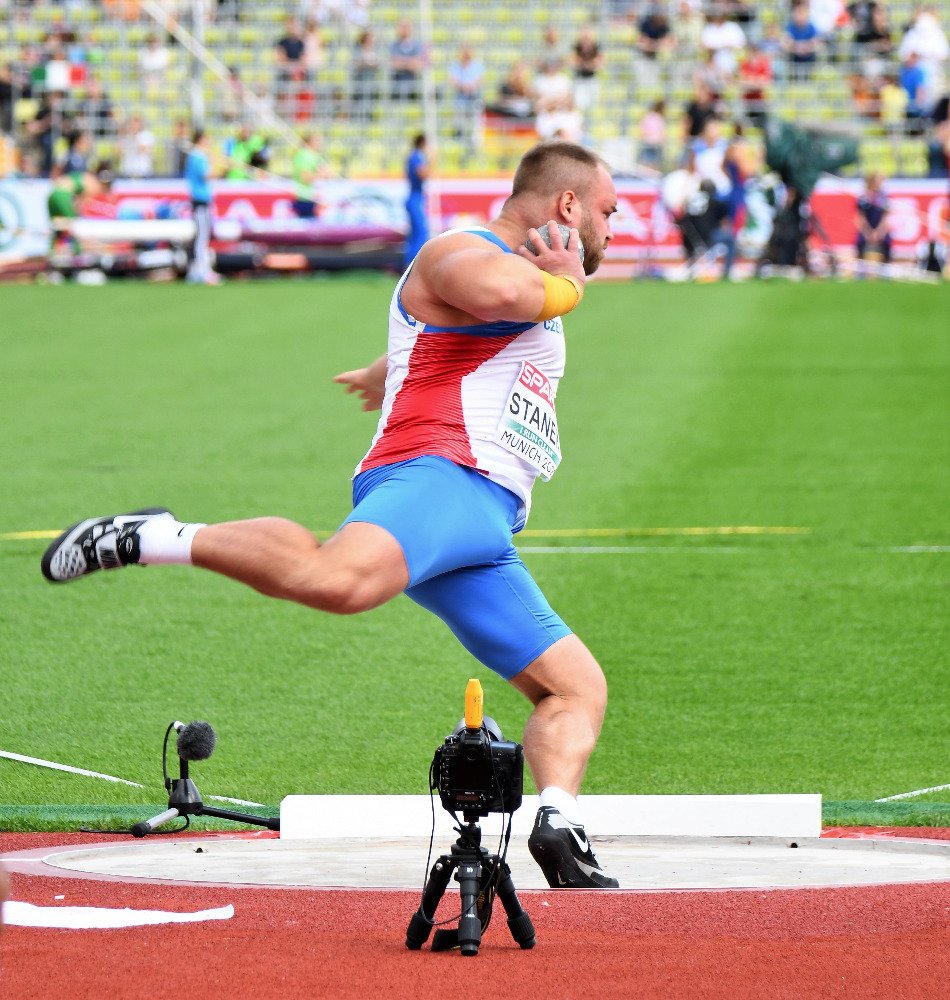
(914, 794)
(23, 759)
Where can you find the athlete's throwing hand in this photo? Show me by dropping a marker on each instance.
(556, 258)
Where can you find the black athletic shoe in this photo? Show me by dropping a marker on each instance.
(96, 543)
(564, 854)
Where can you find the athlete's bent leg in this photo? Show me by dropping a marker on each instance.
(569, 693)
(360, 567)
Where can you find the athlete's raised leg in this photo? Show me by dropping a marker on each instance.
(360, 567)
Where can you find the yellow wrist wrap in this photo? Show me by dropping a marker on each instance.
(562, 292)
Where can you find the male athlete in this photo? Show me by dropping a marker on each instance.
(467, 390)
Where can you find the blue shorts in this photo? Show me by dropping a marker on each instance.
(454, 526)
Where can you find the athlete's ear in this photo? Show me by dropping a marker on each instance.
(570, 207)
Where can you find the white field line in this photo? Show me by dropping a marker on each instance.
(105, 777)
(914, 794)
(66, 767)
(609, 550)
(919, 548)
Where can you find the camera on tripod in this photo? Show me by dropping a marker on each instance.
(478, 772)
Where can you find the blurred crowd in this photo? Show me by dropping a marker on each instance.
(727, 56)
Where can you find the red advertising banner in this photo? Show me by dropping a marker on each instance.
(643, 228)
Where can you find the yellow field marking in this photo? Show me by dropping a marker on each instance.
(738, 529)
(25, 536)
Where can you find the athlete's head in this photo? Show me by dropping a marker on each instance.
(570, 184)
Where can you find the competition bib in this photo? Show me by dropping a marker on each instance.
(528, 426)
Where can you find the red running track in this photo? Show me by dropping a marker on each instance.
(890, 942)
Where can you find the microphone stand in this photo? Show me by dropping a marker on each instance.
(185, 800)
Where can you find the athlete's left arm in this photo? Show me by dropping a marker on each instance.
(368, 383)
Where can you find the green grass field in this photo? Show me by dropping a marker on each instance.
(812, 661)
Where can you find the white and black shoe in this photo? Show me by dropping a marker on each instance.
(564, 854)
(97, 543)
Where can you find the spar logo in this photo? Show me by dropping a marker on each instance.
(536, 382)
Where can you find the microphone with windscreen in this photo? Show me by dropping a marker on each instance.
(195, 741)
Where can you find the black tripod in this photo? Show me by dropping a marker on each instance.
(479, 875)
(185, 800)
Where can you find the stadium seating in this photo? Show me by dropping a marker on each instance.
(500, 32)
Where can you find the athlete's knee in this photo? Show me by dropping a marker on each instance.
(339, 592)
(568, 672)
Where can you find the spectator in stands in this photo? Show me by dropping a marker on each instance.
(652, 137)
(551, 47)
(342, 12)
(709, 75)
(560, 120)
(755, 76)
(872, 221)
(702, 107)
(314, 51)
(406, 61)
(364, 69)
(234, 95)
(938, 146)
(179, 149)
(154, 60)
(289, 52)
(516, 94)
(865, 100)
(801, 41)
(687, 30)
(136, 149)
(725, 39)
(587, 60)
(867, 103)
(48, 124)
(95, 110)
(826, 16)
(877, 45)
(467, 75)
(27, 60)
(552, 87)
(860, 13)
(309, 166)
(771, 44)
(913, 81)
(739, 11)
(928, 42)
(417, 173)
(653, 39)
(7, 95)
(76, 160)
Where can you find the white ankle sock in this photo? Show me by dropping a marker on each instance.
(564, 802)
(164, 540)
